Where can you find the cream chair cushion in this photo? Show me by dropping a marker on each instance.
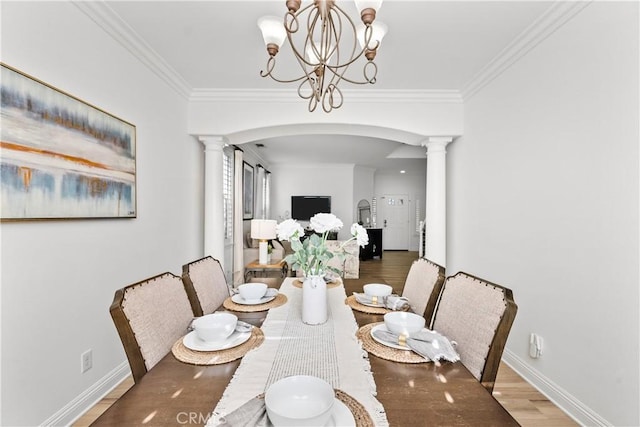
(159, 313)
(469, 313)
(424, 278)
(209, 283)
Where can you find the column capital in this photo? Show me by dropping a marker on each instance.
(213, 141)
(436, 143)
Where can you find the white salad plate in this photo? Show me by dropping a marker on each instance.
(382, 327)
(239, 300)
(368, 304)
(192, 342)
(341, 417)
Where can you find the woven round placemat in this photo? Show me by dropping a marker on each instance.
(353, 303)
(360, 414)
(186, 355)
(384, 352)
(298, 284)
(246, 308)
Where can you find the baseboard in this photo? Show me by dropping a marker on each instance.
(81, 404)
(560, 397)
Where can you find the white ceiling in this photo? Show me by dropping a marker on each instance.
(430, 45)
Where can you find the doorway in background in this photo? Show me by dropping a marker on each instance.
(393, 216)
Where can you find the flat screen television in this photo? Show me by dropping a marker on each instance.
(304, 207)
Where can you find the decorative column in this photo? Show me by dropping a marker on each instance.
(436, 200)
(213, 197)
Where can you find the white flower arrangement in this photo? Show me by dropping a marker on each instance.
(311, 256)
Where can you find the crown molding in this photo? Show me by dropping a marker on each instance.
(354, 96)
(113, 25)
(555, 17)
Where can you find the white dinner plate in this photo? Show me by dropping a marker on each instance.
(384, 328)
(239, 300)
(368, 304)
(341, 417)
(191, 341)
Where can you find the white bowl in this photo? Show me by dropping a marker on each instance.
(402, 322)
(215, 327)
(299, 400)
(377, 290)
(252, 292)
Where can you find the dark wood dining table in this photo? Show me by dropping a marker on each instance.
(174, 393)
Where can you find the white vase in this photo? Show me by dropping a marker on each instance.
(314, 300)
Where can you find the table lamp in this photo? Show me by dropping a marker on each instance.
(263, 230)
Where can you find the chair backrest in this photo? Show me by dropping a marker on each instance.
(422, 287)
(205, 284)
(150, 316)
(478, 315)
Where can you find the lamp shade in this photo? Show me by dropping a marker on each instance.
(263, 229)
(272, 29)
(368, 4)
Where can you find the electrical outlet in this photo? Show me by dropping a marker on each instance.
(86, 361)
(535, 346)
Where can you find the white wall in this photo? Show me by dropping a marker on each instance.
(543, 198)
(59, 277)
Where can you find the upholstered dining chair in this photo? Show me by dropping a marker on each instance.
(477, 315)
(422, 287)
(205, 284)
(150, 316)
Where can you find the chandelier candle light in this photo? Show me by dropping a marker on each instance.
(311, 256)
(323, 48)
(263, 230)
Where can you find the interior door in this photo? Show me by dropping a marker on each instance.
(394, 217)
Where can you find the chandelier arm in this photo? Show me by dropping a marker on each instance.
(367, 66)
(287, 81)
(308, 74)
(294, 19)
(367, 80)
(312, 21)
(269, 73)
(329, 101)
(301, 57)
(336, 30)
(368, 32)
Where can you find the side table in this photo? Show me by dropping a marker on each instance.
(254, 268)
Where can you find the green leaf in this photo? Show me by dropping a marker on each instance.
(296, 245)
(315, 240)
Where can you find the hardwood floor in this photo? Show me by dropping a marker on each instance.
(528, 406)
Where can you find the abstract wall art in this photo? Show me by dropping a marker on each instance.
(61, 158)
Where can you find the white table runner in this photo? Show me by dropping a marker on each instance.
(330, 351)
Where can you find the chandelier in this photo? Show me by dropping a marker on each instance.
(325, 41)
